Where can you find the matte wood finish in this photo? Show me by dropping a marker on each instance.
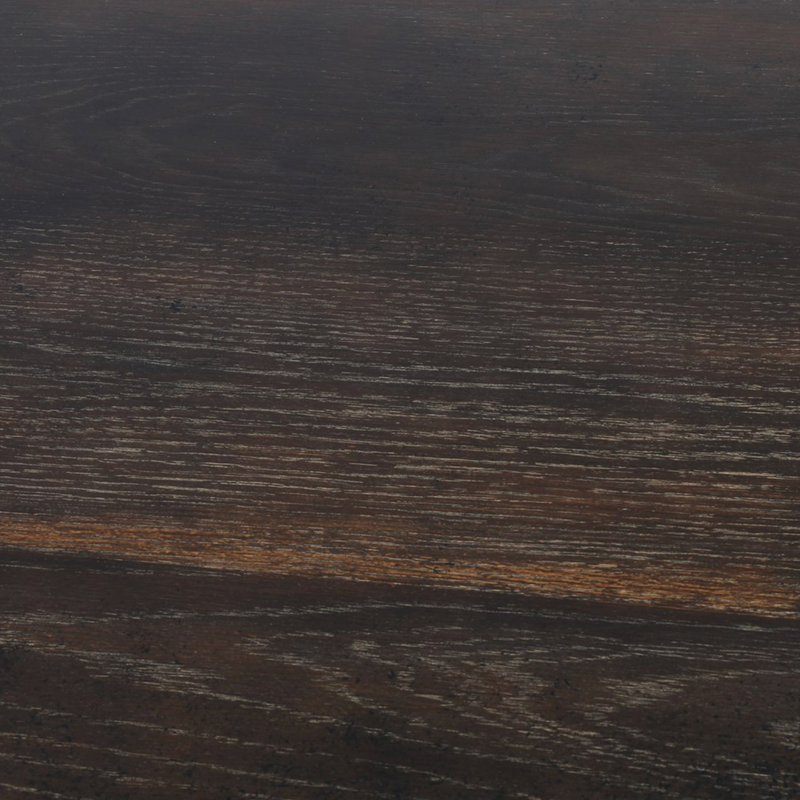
(399, 399)
(125, 680)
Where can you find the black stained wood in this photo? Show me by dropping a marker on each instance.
(399, 399)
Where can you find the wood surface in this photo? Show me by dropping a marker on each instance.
(399, 399)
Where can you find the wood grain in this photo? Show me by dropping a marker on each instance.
(333, 333)
(123, 680)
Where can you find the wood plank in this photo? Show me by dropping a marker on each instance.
(126, 680)
(465, 330)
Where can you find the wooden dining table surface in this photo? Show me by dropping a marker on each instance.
(400, 399)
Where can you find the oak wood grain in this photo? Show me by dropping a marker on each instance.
(399, 398)
(126, 680)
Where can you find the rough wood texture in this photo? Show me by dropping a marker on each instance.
(444, 354)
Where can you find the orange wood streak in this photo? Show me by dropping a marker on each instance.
(743, 589)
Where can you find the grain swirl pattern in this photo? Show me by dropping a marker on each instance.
(126, 680)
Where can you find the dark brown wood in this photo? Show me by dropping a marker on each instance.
(125, 680)
(399, 399)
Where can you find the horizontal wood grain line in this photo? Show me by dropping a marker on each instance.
(761, 589)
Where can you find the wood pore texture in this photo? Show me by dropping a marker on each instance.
(399, 399)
